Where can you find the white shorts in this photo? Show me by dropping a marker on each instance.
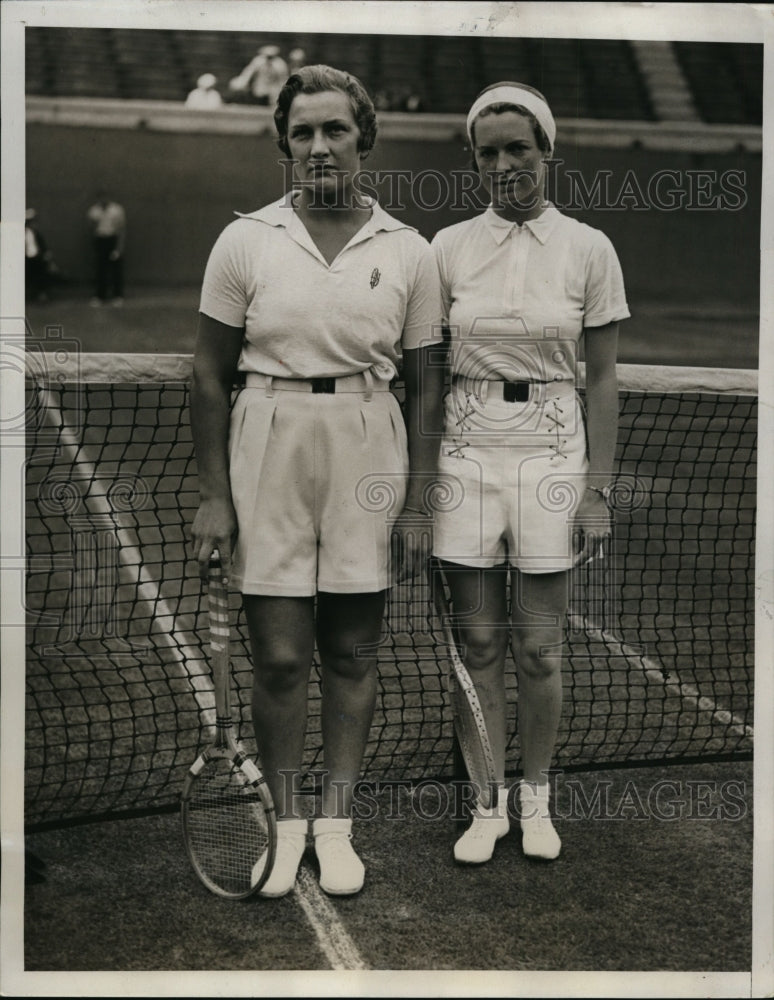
(316, 480)
(512, 476)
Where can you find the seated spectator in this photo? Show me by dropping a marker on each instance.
(383, 100)
(407, 99)
(296, 59)
(414, 102)
(205, 95)
(263, 78)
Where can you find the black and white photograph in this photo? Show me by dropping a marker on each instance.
(387, 555)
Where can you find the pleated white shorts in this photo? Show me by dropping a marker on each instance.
(316, 480)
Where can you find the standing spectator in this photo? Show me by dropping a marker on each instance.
(108, 222)
(205, 95)
(263, 77)
(38, 261)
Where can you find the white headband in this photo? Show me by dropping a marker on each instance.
(515, 95)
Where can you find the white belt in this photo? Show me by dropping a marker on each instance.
(362, 382)
(512, 392)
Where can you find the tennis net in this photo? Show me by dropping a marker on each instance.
(659, 637)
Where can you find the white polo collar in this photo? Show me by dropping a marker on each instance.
(280, 214)
(541, 227)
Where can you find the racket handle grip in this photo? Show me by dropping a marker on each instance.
(220, 628)
(215, 570)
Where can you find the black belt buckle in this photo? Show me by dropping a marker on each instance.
(516, 392)
(324, 385)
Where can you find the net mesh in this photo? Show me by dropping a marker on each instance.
(659, 639)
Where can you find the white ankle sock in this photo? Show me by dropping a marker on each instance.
(539, 838)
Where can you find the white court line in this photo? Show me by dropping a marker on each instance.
(148, 590)
(686, 692)
(338, 946)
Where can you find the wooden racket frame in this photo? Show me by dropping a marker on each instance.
(226, 746)
(459, 680)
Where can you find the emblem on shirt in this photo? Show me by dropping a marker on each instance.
(375, 276)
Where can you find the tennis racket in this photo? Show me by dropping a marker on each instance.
(227, 811)
(469, 725)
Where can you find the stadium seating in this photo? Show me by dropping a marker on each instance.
(582, 78)
(725, 80)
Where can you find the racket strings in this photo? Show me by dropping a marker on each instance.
(227, 827)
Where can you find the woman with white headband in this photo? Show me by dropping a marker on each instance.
(528, 479)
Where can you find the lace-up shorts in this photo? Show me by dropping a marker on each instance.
(512, 475)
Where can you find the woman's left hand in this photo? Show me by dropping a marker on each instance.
(412, 544)
(592, 526)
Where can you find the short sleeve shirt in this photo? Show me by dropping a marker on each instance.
(517, 298)
(305, 318)
(108, 220)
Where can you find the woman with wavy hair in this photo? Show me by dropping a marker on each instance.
(316, 301)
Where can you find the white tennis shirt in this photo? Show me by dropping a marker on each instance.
(304, 318)
(517, 298)
(108, 220)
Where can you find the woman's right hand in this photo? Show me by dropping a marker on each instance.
(214, 527)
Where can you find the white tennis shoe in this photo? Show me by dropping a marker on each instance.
(291, 844)
(539, 838)
(477, 843)
(342, 873)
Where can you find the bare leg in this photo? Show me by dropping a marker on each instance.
(348, 630)
(538, 612)
(479, 608)
(539, 608)
(282, 642)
